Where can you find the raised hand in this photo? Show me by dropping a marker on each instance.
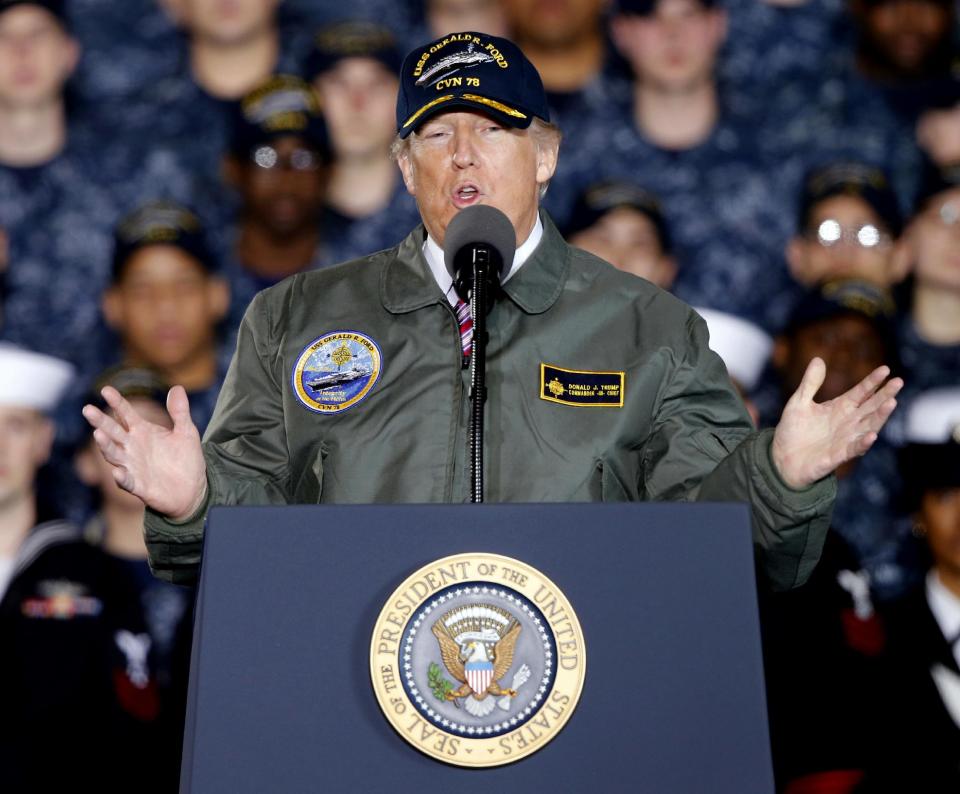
(164, 467)
(814, 439)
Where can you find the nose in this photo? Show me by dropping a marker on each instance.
(464, 153)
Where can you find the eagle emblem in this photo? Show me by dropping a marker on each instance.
(477, 647)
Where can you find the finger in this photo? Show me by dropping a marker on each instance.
(94, 416)
(112, 452)
(881, 397)
(178, 406)
(865, 388)
(123, 478)
(812, 380)
(125, 412)
(876, 420)
(109, 427)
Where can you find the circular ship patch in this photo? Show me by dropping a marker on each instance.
(477, 660)
(336, 371)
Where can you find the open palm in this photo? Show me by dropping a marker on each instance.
(813, 439)
(163, 466)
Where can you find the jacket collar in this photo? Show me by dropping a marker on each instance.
(406, 283)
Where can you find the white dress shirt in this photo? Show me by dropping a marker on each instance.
(434, 256)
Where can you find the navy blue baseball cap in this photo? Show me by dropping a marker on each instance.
(160, 223)
(283, 105)
(353, 39)
(603, 197)
(470, 71)
(860, 180)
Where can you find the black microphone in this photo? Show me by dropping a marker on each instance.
(478, 233)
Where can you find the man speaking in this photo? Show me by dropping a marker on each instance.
(351, 384)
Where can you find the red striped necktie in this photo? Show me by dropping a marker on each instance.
(466, 326)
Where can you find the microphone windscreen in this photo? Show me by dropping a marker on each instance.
(480, 224)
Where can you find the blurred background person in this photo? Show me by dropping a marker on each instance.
(917, 711)
(166, 302)
(452, 16)
(278, 164)
(624, 224)
(849, 227)
(851, 326)
(354, 67)
(930, 329)
(74, 675)
(700, 156)
(117, 529)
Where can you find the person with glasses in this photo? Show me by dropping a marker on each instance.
(848, 228)
(278, 165)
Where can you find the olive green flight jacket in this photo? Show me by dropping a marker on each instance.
(681, 433)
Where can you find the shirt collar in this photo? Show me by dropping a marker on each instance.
(433, 253)
(945, 607)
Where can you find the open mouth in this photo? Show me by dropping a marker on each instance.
(466, 194)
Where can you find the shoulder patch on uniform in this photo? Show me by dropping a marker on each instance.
(336, 371)
(581, 387)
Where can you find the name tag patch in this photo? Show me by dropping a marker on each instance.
(581, 387)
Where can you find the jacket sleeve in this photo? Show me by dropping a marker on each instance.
(703, 447)
(245, 448)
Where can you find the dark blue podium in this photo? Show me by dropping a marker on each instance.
(280, 694)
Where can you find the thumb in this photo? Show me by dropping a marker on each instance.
(178, 406)
(812, 379)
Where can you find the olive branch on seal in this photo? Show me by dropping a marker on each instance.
(438, 684)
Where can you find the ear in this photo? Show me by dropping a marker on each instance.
(901, 260)
(666, 271)
(232, 171)
(547, 152)
(43, 440)
(406, 170)
(718, 25)
(71, 56)
(796, 260)
(112, 307)
(85, 465)
(781, 353)
(218, 297)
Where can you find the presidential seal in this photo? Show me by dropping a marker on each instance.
(477, 660)
(336, 371)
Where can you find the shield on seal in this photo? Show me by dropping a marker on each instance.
(479, 675)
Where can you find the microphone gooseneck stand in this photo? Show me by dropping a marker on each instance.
(479, 300)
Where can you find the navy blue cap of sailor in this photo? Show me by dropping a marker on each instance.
(470, 71)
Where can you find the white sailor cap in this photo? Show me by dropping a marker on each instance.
(743, 346)
(933, 417)
(32, 380)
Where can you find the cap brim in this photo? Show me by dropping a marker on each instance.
(505, 114)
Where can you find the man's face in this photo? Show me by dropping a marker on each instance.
(850, 346)
(940, 515)
(285, 199)
(359, 99)
(553, 23)
(833, 245)
(457, 160)
(675, 48)
(628, 240)
(934, 240)
(36, 56)
(25, 439)
(165, 307)
(907, 33)
(226, 22)
(452, 16)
